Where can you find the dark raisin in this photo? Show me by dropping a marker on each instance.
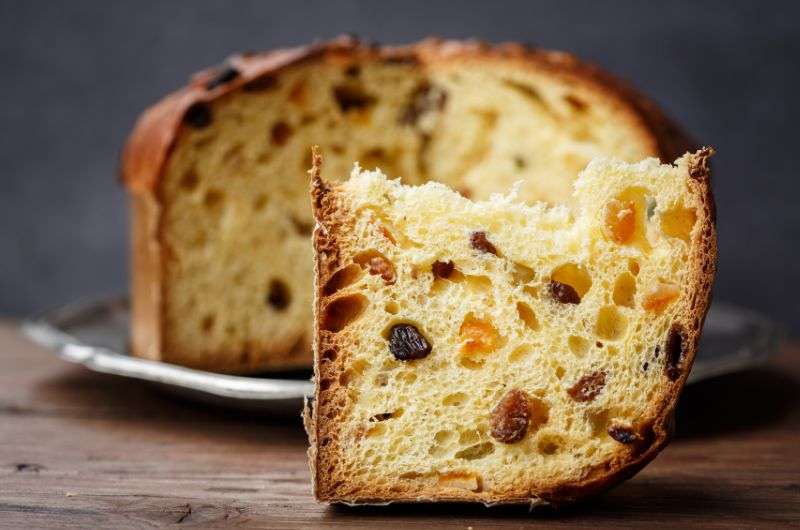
(443, 269)
(479, 241)
(675, 352)
(510, 417)
(224, 76)
(278, 296)
(564, 293)
(263, 83)
(588, 387)
(407, 343)
(645, 366)
(350, 97)
(352, 71)
(423, 99)
(198, 115)
(383, 416)
(623, 435)
(280, 133)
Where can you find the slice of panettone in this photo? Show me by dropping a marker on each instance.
(498, 352)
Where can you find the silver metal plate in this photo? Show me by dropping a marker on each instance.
(94, 333)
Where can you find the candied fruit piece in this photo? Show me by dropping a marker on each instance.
(510, 417)
(406, 343)
(663, 295)
(588, 387)
(675, 351)
(621, 220)
(561, 292)
(478, 336)
(479, 241)
(443, 269)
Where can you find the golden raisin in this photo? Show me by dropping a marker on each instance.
(660, 297)
(382, 267)
(479, 241)
(621, 220)
(510, 417)
(588, 387)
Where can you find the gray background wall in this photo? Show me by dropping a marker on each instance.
(74, 75)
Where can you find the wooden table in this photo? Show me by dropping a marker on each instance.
(79, 449)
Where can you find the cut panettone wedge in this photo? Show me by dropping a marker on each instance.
(497, 352)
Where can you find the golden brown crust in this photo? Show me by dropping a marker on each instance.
(156, 132)
(654, 430)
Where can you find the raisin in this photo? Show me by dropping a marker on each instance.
(564, 293)
(424, 98)
(383, 416)
(278, 296)
(675, 351)
(588, 387)
(351, 97)
(623, 435)
(198, 115)
(479, 241)
(378, 265)
(280, 133)
(443, 269)
(224, 76)
(510, 417)
(407, 343)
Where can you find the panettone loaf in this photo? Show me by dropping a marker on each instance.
(217, 171)
(498, 352)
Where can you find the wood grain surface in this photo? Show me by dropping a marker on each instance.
(84, 450)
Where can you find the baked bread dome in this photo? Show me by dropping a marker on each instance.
(217, 171)
(497, 352)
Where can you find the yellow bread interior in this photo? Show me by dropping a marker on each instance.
(600, 375)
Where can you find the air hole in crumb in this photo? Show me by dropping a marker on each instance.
(520, 163)
(301, 227)
(522, 274)
(578, 345)
(610, 323)
(207, 323)
(342, 278)
(259, 202)
(475, 283)
(213, 198)
(341, 312)
(624, 289)
(519, 353)
(280, 133)
(278, 295)
(550, 444)
(454, 400)
(576, 103)
(391, 307)
(598, 420)
(476, 451)
(377, 429)
(560, 371)
(190, 180)
(678, 222)
(527, 315)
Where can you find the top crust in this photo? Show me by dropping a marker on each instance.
(331, 213)
(145, 155)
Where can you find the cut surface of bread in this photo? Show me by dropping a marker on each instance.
(494, 351)
(218, 171)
